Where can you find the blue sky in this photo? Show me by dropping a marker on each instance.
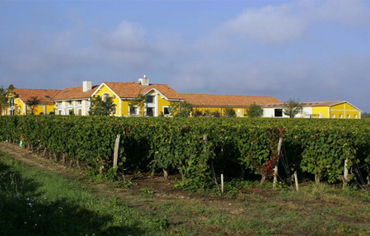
(306, 49)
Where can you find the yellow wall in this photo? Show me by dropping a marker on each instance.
(323, 110)
(104, 89)
(19, 104)
(161, 103)
(344, 109)
(50, 108)
(125, 107)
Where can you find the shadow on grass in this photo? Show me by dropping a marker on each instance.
(24, 212)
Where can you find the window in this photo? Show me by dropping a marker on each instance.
(333, 116)
(105, 96)
(166, 112)
(79, 112)
(340, 116)
(60, 112)
(59, 104)
(150, 111)
(133, 111)
(71, 112)
(278, 112)
(69, 103)
(150, 99)
(356, 116)
(11, 101)
(348, 116)
(19, 110)
(79, 102)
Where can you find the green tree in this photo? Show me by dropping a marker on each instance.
(139, 101)
(255, 110)
(5, 97)
(230, 112)
(180, 109)
(292, 107)
(101, 107)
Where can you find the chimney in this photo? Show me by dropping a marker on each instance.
(86, 86)
(144, 81)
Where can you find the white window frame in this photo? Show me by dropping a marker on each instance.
(340, 116)
(136, 109)
(348, 116)
(333, 116)
(104, 98)
(355, 116)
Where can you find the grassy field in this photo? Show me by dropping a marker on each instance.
(37, 200)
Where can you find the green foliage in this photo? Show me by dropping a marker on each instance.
(216, 114)
(139, 101)
(180, 109)
(254, 111)
(101, 107)
(292, 107)
(191, 147)
(5, 96)
(230, 112)
(32, 102)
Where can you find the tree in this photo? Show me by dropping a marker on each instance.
(292, 107)
(139, 101)
(255, 110)
(181, 109)
(230, 112)
(32, 102)
(101, 107)
(5, 95)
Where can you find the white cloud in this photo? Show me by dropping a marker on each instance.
(128, 36)
(289, 21)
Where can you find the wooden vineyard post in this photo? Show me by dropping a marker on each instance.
(222, 183)
(116, 149)
(345, 173)
(296, 180)
(277, 162)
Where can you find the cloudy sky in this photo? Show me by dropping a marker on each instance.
(306, 49)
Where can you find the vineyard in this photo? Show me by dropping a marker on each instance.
(200, 149)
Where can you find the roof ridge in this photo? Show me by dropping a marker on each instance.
(224, 95)
(36, 89)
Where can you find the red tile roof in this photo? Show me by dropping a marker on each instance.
(213, 100)
(44, 95)
(133, 89)
(74, 93)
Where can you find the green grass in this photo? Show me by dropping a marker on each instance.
(37, 202)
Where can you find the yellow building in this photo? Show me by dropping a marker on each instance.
(75, 100)
(335, 110)
(205, 103)
(158, 97)
(326, 109)
(20, 102)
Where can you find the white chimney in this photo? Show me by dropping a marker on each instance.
(144, 81)
(86, 86)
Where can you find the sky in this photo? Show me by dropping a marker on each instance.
(310, 50)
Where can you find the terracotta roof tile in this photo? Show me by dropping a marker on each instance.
(74, 93)
(213, 100)
(133, 89)
(44, 95)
